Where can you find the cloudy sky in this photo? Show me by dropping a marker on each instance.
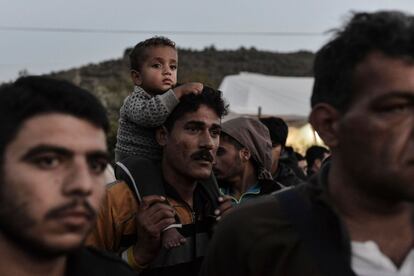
(50, 35)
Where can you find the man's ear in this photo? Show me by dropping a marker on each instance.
(161, 135)
(136, 77)
(245, 154)
(324, 118)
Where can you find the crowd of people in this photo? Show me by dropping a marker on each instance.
(196, 195)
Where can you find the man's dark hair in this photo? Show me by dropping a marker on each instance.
(391, 33)
(278, 130)
(191, 103)
(299, 156)
(139, 54)
(313, 153)
(31, 96)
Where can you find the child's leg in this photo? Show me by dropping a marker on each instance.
(172, 238)
(170, 235)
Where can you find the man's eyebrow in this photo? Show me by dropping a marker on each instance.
(195, 123)
(216, 126)
(406, 95)
(99, 154)
(202, 124)
(40, 149)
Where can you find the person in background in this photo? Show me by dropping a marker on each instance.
(244, 160)
(302, 164)
(315, 155)
(282, 162)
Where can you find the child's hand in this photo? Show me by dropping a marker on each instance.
(188, 88)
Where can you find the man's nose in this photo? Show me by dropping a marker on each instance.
(207, 141)
(79, 179)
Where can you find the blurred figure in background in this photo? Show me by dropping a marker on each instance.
(282, 161)
(314, 158)
(302, 164)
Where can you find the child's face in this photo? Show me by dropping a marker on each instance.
(159, 71)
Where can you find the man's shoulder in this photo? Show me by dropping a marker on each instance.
(287, 176)
(257, 235)
(90, 261)
(261, 238)
(119, 188)
(256, 219)
(263, 216)
(120, 197)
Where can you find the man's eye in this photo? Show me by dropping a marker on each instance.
(47, 162)
(215, 132)
(173, 67)
(192, 129)
(98, 166)
(220, 151)
(156, 65)
(401, 108)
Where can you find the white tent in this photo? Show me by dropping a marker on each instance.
(253, 94)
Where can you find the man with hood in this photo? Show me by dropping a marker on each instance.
(244, 160)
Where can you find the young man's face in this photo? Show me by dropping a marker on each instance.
(228, 162)
(303, 165)
(52, 183)
(158, 73)
(376, 134)
(190, 147)
(276, 151)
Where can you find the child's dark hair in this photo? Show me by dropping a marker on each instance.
(138, 55)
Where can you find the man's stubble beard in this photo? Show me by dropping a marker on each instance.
(14, 223)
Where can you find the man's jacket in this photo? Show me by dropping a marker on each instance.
(261, 239)
(116, 228)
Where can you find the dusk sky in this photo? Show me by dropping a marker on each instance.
(52, 35)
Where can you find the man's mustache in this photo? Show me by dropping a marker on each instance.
(203, 155)
(57, 212)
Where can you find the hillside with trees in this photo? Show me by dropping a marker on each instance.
(110, 80)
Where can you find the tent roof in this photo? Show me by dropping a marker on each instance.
(286, 97)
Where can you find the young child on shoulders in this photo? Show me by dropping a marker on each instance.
(154, 64)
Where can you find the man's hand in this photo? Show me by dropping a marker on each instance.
(154, 215)
(188, 88)
(225, 207)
